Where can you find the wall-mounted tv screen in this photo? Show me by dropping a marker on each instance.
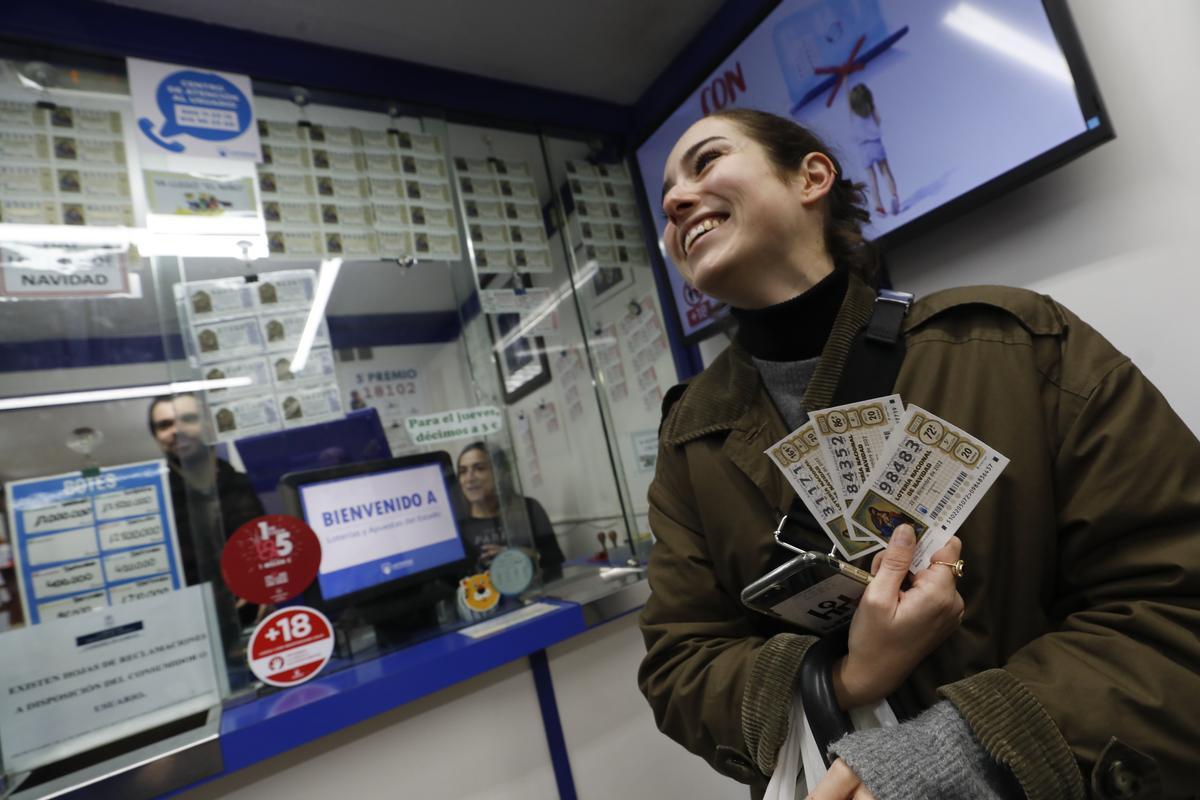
(382, 525)
(935, 106)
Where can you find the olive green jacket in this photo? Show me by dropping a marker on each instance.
(1077, 664)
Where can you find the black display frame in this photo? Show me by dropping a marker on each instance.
(291, 483)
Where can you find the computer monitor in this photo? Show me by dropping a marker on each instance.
(384, 526)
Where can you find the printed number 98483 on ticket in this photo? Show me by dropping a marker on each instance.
(931, 476)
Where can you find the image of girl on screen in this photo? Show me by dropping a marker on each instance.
(1041, 668)
(868, 139)
(486, 482)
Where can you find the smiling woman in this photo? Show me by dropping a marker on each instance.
(792, 213)
(1035, 680)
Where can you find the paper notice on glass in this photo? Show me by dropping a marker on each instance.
(799, 457)
(77, 537)
(853, 437)
(56, 270)
(72, 684)
(932, 476)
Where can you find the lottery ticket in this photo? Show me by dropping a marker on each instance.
(281, 331)
(799, 457)
(932, 476)
(294, 242)
(245, 416)
(221, 340)
(287, 288)
(390, 214)
(488, 234)
(274, 131)
(436, 245)
(310, 404)
(256, 369)
(223, 297)
(531, 259)
(293, 213)
(34, 146)
(433, 217)
(427, 191)
(318, 367)
(394, 244)
(852, 438)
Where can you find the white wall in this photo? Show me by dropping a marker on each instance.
(615, 749)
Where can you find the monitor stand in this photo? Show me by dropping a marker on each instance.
(407, 615)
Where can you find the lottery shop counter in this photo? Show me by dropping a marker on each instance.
(250, 729)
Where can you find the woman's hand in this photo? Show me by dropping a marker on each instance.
(894, 628)
(488, 552)
(840, 783)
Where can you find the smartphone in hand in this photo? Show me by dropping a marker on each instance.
(813, 591)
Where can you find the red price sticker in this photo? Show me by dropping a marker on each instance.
(290, 646)
(271, 559)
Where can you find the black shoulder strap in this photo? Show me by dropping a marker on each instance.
(877, 351)
(871, 368)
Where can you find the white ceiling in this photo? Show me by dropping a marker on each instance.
(610, 50)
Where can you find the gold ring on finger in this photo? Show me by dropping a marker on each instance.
(956, 567)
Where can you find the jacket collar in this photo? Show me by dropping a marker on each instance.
(728, 395)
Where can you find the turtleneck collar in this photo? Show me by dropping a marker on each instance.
(794, 329)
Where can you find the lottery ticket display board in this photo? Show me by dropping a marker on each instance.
(504, 216)
(246, 330)
(86, 542)
(354, 192)
(607, 223)
(63, 166)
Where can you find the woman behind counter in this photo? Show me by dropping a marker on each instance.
(485, 480)
(1073, 672)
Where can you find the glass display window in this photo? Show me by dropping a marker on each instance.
(401, 370)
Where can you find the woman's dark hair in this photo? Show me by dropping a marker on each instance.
(480, 446)
(787, 144)
(862, 102)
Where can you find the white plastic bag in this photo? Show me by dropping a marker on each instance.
(800, 749)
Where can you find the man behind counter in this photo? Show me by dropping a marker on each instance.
(197, 477)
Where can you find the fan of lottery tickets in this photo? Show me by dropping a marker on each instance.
(863, 469)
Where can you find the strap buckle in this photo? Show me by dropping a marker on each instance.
(888, 316)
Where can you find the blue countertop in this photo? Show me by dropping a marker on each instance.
(265, 727)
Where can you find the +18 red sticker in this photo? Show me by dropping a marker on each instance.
(290, 646)
(271, 559)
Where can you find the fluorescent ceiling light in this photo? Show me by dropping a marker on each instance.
(127, 393)
(227, 244)
(316, 314)
(1008, 40)
(69, 234)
